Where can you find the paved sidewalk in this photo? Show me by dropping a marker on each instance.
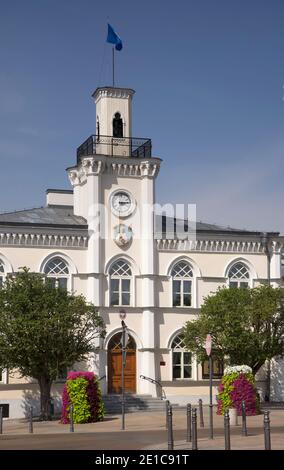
(144, 430)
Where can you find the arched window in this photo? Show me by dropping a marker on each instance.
(2, 273)
(282, 264)
(98, 129)
(117, 126)
(56, 269)
(120, 283)
(182, 359)
(239, 275)
(182, 284)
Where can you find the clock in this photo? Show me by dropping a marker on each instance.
(122, 203)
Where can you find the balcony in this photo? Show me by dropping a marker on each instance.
(115, 147)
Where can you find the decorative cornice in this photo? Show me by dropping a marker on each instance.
(113, 92)
(211, 246)
(43, 240)
(115, 165)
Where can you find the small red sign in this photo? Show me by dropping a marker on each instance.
(162, 363)
(208, 344)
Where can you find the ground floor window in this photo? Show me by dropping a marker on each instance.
(218, 369)
(181, 359)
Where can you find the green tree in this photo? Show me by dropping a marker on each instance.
(247, 326)
(44, 330)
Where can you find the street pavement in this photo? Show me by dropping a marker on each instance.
(143, 431)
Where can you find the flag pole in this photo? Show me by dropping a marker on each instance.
(113, 66)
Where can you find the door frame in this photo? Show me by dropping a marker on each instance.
(107, 341)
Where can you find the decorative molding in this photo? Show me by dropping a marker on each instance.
(277, 246)
(211, 246)
(43, 240)
(115, 165)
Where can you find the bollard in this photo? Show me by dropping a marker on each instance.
(244, 419)
(188, 422)
(266, 425)
(1, 420)
(201, 420)
(227, 430)
(31, 428)
(170, 429)
(194, 429)
(71, 419)
(167, 407)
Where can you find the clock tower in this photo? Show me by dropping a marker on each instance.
(114, 181)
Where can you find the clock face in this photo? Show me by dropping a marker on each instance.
(121, 203)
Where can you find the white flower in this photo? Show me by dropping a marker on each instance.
(244, 369)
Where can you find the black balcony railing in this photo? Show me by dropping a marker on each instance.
(115, 146)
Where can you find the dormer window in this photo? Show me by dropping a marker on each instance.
(117, 126)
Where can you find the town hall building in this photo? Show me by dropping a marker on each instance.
(105, 239)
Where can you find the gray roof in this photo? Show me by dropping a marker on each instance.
(44, 216)
(63, 216)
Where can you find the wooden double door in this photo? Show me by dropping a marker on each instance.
(115, 366)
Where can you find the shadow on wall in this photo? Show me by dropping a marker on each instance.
(277, 380)
(31, 397)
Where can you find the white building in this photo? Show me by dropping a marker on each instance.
(130, 261)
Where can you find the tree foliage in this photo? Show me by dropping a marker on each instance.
(44, 330)
(247, 326)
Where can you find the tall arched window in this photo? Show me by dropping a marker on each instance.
(182, 359)
(239, 275)
(117, 126)
(57, 270)
(2, 273)
(120, 283)
(282, 264)
(182, 284)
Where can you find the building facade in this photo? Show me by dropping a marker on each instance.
(106, 240)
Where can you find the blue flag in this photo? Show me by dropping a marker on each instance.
(113, 38)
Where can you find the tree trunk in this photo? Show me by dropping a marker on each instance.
(45, 387)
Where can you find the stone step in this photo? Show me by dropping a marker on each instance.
(134, 403)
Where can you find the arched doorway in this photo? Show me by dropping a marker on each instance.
(115, 365)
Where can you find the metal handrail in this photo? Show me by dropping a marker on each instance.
(156, 382)
(101, 378)
(129, 146)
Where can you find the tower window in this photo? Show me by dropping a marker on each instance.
(98, 129)
(117, 126)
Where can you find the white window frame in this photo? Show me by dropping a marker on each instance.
(182, 365)
(182, 279)
(240, 279)
(2, 272)
(4, 378)
(58, 276)
(120, 278)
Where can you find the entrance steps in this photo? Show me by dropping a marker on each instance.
(134, 403)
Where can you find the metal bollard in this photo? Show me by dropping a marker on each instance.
(244, 420)
(31, 428)
(170, 429)
(227, 430)
(201, 420)
(194, 429)
(266, 425)
(1, 420)
(167, 407)
(188, 422)
(71, 418)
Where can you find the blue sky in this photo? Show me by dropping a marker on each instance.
(209, 79)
